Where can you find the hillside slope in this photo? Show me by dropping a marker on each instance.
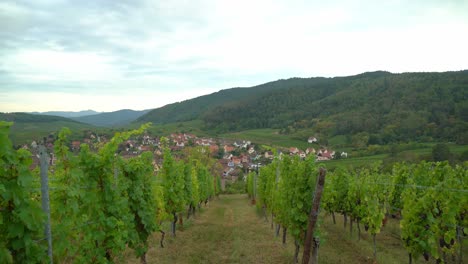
(67, 114)
(28, 127)
(380, 107)
(110, 119)
(194, 108)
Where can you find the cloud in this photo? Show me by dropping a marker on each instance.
(183, 47)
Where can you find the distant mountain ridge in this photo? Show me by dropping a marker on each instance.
(111, 119)
(103, 119)
(67, 114)
(27, 117)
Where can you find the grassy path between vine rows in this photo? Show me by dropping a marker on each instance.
(230, 230)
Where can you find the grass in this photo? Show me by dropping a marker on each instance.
(193, 127)
(22, 133)
(230, 230)
(269, 137)
(354, 162)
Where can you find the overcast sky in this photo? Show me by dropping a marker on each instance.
(110, 55)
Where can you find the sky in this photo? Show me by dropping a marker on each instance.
(140, 54)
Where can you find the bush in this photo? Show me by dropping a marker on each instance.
(235, 187)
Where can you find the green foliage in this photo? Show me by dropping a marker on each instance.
(441, 152)
(431, 213)
(173, 183)
(206, 182)
(464, 156)
(250, 184)
(188, 186)
(68, 199)
(236, 187)
(141, 200)
(431, 198)
(91, 194)
(28, 127)
(100, 202)
(21, 218)
(285, 188)
(195, 198)
(192, 109)
(374, 198)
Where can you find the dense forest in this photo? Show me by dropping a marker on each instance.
(380, 107)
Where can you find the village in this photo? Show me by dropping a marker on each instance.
(236, 158)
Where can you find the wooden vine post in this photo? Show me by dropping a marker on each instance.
(314, 212)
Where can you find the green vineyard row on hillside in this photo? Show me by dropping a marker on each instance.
(430, 199)
(100, 202)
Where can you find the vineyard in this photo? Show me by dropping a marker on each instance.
(103, 205)
(429, 199)
(100, 203)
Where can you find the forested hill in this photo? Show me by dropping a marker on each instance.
(382, 106)
(28, 127)
(195, 108)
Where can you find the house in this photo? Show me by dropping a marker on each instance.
(251, 150)
(180, 143)
(310, 151)
(228, 148)
(130, 143)
(269, 155)
(293, 150)
(75, 145)
(236, 160)
(312, 140)
(50, 146)
(204, 142)
(189, 136)
(242, 144)
(53, 159)
(214, 149)
(245, 158)
(147, 140)
(302, 154)
(144, 148)
(325, 155)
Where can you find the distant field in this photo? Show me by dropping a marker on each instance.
(354, 162)
(24, 133)
(192, 127)
(455, 149)
(361, 161)
(268, 137)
